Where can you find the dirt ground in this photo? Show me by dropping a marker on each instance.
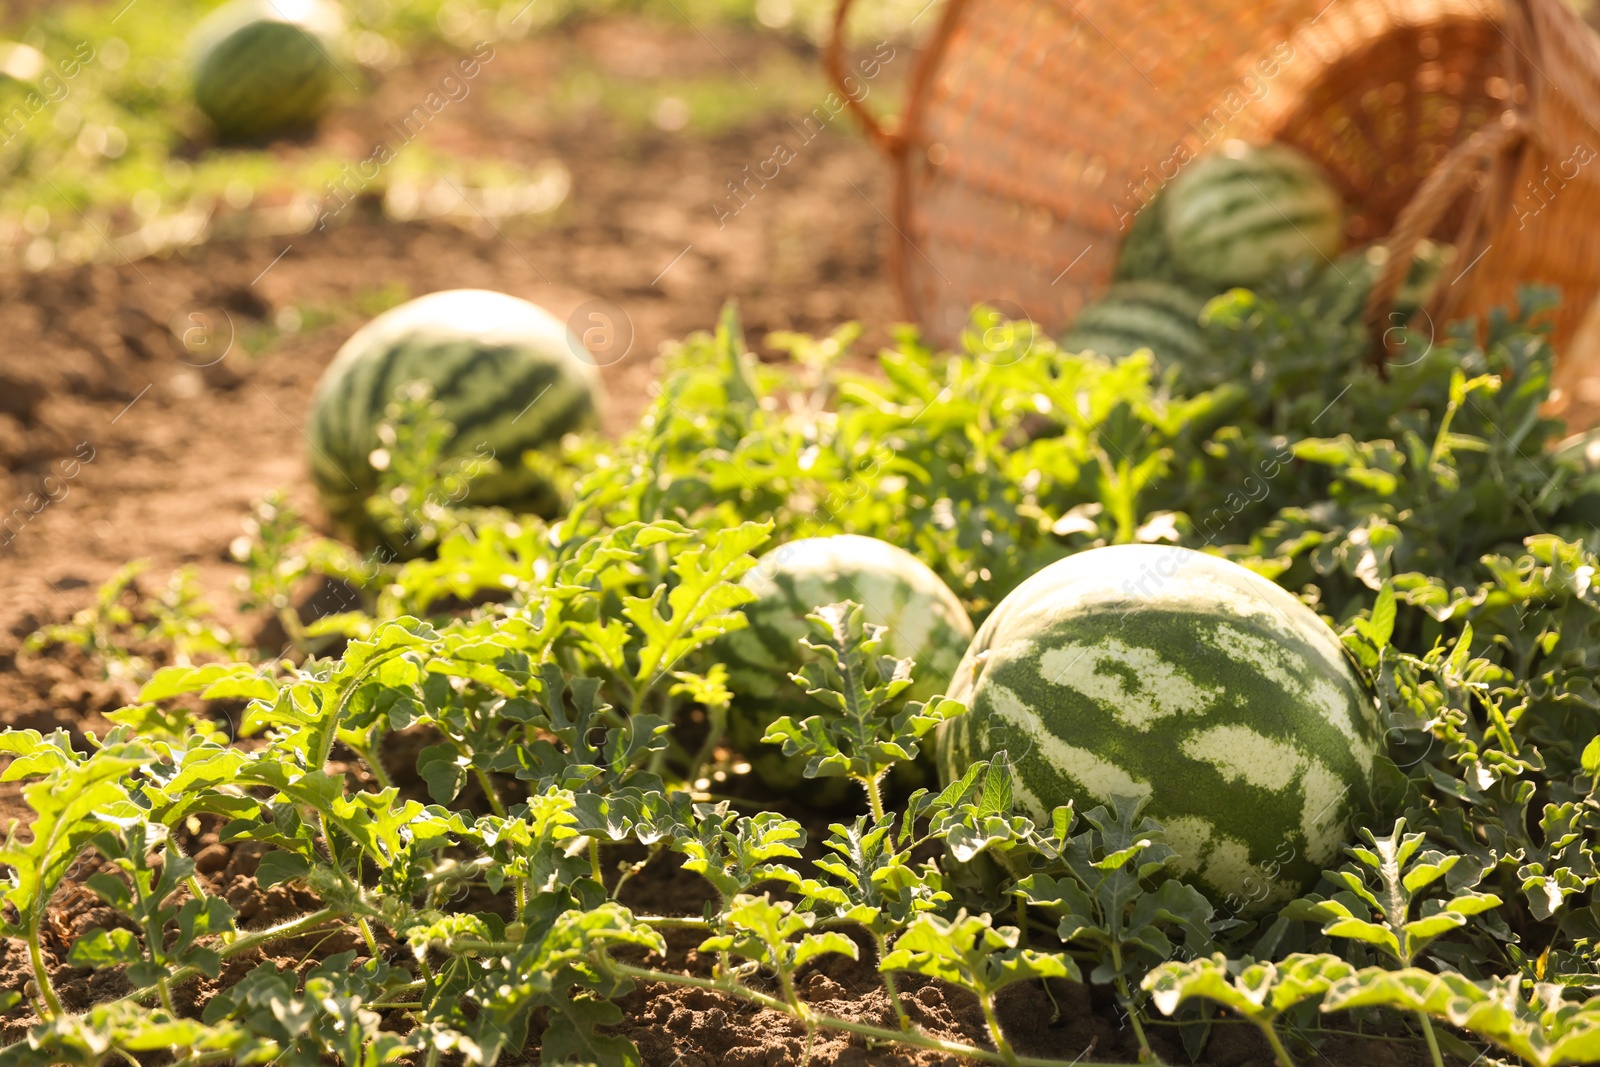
(166, 458)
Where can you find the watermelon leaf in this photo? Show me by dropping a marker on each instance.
(970, 952)
(1389, 879)
(1259, 992)
(736, 853)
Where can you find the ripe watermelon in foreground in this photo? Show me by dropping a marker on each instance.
(263, 67)
(925, 622)
(505, 372)
(1155, 671)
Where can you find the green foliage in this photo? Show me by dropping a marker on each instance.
(858, 738)
(1259, 992)
(116, 631)
(561, 672)
(1387, 881)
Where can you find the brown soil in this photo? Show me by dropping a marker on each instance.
(147, 456)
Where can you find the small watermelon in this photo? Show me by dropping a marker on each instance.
(925, 622)
(1237, 218)
(507, 375)
(1160, 316)
(264, 67)
(1157, 671)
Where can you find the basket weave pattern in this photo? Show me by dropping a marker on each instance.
(1035, 130)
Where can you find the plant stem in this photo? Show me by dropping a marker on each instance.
(1001, 1045)
(1433, 1040)
(594, 861)
(882, 942)
(379, 775)
(319, 759)
(165, 992)
(633, 869)
(489, 792)
(874, 797)
(40, 975)
(717, 719)
(366, 935)
(1270, 1032)
(245, 943)
(1146, 1053)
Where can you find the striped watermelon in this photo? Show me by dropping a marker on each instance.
(1146, 254)
(925, 621)
(1236, 218)
(263, 67)
(1159, 671)
(1160, 316)
(505, 372)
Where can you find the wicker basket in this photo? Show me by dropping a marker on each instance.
(1034, 129)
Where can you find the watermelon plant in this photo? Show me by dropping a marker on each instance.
(922, 620)
(471, 782)
(264, 67)
(504, 376)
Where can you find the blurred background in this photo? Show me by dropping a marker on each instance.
(169, 296)
(170, 292)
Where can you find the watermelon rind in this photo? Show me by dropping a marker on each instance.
(506, 374)
(924, 621)
(265, 67)
(1239, 217)
(1160, 316)
(1160, 672)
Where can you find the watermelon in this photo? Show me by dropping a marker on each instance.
(925, 622)
(507, 375)
(1146, 254)
(1238, 218)
(264, 67)
(1156, 671)
(1160, 316)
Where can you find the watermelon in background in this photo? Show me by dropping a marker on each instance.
(1239, 217)
(507, 374)
(264, 67)
(1160, 316)
(925, 622)
(1146, 253)
(1157, 671)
